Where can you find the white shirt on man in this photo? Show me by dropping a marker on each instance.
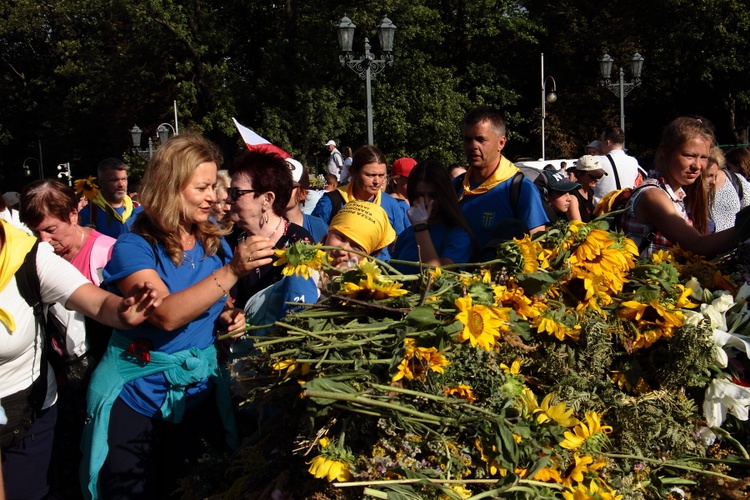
(627, 170)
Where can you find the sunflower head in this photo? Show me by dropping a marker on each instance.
(86, 187)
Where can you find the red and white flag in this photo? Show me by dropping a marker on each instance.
(254, 142)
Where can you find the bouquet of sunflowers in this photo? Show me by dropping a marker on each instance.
(565, 368)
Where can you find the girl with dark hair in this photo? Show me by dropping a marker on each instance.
(439, 234)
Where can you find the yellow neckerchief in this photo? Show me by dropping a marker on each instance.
(100, 202)
(17, 244)
(348, 195)
(504, 171)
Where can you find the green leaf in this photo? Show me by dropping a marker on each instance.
(423, 316)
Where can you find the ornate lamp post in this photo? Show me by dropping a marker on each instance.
(546, 98)
(367, 65)
(162, 131)
(64, 169)
(622, 88)
(135, 134)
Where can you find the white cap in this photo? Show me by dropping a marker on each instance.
(296, 168)
(331, 143)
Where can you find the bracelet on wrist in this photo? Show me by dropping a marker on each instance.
(223, 290)
(421, 226)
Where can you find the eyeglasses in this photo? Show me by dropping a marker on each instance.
(234, 193)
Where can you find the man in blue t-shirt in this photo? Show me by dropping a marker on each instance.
(111, 212)
(485, 190)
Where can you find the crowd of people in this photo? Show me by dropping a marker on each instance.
(141, 286)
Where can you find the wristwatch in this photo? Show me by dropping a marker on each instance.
(422, 226)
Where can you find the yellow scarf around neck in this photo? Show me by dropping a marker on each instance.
(17, 244)
(348, 195)
(504, 171)
(100, 202)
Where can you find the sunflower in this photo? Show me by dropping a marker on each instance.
(548, 475)
(655, 320)
(557, 412)
(513, 297)
(323, 467)
(591, 432)
(582, 465)
(374, 286)
(301, 259)
(482, 324)
(86, 187)
(461, 391)
(547, 323)
(533, 254)
(418, 360)
(593, 492)
(514, 368)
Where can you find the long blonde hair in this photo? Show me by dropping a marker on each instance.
(678, 132)
(168, 173)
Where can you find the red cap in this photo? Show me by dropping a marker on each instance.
(403, 166)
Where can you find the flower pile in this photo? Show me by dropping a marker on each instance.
(565, 368)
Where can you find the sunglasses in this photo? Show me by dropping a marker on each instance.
(595, 177)
(234, 193)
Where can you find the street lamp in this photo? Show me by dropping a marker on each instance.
(64, 169)
(622, 88)
(27, 168)
(162, 131)
(546, 98)
(39, 164)
(135, 134)
(366, 66)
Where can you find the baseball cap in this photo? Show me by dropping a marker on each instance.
(299, 174)
(556, 181)
(595, 144)
(403, 166)
(588, 163)
(12, 198)
(331, 143)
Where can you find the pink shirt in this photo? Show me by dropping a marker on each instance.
(101, 255)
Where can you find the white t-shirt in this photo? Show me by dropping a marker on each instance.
(20, 351)
(627, 169)
(12, 216)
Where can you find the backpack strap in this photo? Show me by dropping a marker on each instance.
(515, 192)
(337, 201)
(27, 281)
(614, 170)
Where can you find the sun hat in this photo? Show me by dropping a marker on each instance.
(588, 163)
(364, 223)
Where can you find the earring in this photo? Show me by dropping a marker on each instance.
(265, 217)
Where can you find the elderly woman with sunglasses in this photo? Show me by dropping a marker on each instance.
(261, 186)
(588, 172)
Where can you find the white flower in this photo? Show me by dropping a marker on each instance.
(743, 293)
(728, 341)
(724, 396)
(715, 311)
(706, 436)
(696, 291)
(692, 317)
